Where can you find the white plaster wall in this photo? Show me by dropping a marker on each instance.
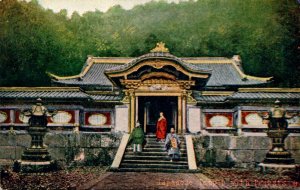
(193, 115)
(122, 118)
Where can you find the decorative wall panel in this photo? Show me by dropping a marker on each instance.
(4, 116)
(295, 120)
(219, 119)
(62, 117)
(253, 118)
(97, 118)
(20, 118)
(23, 118)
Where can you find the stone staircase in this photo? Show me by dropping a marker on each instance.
(154, 158)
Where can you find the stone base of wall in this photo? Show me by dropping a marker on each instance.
(211, 149)
(63, 146)
(239, 151)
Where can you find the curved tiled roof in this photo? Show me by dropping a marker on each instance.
(67, 93)
(224, 75)
(94, 76)
(156, 55)
(102, 97)
(266, 95)
(224, 71)
(211, 98)
(42, 92)
(61, 93)
(250, 94)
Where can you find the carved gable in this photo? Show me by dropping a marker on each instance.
(157, 72)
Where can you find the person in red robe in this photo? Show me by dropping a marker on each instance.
(161, 127)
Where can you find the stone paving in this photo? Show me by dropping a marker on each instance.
(147, 180)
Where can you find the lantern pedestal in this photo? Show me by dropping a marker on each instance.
(278, 159)
(36, 158)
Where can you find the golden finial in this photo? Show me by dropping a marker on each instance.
(160, 47)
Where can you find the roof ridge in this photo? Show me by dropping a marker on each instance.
(51, 75)
(244, 76)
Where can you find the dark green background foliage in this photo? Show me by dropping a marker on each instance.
(264, 32)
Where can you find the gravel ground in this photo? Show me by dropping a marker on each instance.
(64, 179)
(98, 178)
(250, 179)
(147, 180)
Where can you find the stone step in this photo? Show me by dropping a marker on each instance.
(141, 157)
(154, 158)
(153, 136)
(159, 146)
(128, 149)
(151, 153)
(161, 143)
(154, 147)
(154, 139)
(160, 170)
(166, 162)
(162, 166)
(151, 140)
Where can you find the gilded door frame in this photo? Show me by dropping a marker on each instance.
(181, 106)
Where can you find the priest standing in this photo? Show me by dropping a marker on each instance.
(161, 127)
(172, 145)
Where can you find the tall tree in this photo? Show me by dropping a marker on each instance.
(34, 40)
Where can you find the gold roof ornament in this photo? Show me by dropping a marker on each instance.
(160, 47)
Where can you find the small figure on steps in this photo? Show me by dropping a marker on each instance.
(172, 145)
(137, 138)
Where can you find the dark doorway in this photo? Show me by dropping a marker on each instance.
(150, 107)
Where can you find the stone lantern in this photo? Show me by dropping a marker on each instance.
(36, 158)
(278, 159)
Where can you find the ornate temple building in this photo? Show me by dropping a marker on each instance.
(198, 95)
(111, 94)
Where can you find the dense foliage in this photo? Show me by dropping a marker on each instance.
(34, 40)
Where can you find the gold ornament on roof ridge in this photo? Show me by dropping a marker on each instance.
(160, 47)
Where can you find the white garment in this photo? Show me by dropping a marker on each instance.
(137, 148)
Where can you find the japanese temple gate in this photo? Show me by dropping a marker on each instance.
(154, 76)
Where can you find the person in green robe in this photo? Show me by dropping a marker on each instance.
(137, 138)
